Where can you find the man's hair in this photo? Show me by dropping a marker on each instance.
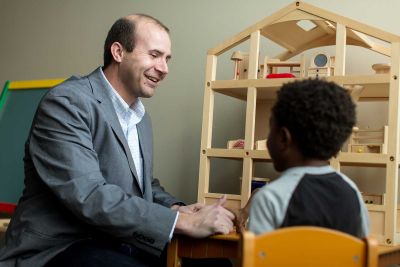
(124, 32)
(319, 115)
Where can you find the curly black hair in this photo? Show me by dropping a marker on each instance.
(320, 116)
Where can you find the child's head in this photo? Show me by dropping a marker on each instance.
(311, 117)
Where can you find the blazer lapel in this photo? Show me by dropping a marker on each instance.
(145, 141)
(100, 92)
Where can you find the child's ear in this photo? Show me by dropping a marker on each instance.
(286, 137)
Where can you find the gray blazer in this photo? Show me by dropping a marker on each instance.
(80, 179)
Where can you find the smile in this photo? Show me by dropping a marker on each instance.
(153, 79)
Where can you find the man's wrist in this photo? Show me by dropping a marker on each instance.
(182, 224)
(177, 205)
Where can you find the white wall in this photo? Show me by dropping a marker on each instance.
(53, 39)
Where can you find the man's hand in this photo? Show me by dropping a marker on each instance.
(207, 220)
(189, 208)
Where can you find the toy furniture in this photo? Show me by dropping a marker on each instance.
(329, 29)
(296, 68)
(368, 140)
(257, 182)
(237, 57)
(261, 144)
(355, 91)
(321, 65)
(372, 198)
(307, 246)
(235, 144)
(241, 64)
(381, 68)
(239, 144)
(269, 68)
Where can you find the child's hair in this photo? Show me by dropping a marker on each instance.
(320, 116)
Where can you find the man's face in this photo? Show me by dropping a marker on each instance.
(147, 65)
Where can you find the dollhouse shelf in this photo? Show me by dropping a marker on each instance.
(376, 87)
(348, 159)
(284, 28)
(363, 159)
(236, 153)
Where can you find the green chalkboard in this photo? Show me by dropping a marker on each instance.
(16, 116)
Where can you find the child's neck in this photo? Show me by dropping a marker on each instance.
(308, 163)
(315, 162)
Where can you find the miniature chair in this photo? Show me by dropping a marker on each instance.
(307, 246)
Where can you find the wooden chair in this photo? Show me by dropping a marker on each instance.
(307, 246)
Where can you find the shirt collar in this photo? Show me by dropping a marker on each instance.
(135, 112)
(309, 170)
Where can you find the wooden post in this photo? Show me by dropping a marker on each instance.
(250, 118)
(340, 59)
(393, 161)
(206, 133)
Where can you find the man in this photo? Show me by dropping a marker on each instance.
(90, 198)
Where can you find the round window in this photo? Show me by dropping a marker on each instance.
(320, 60)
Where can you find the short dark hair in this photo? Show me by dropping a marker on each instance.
(123, 31)
(319, 115)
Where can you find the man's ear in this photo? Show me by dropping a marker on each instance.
(117, 52)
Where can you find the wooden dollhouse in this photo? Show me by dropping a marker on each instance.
(258, 92)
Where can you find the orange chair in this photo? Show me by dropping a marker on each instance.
(308, 246)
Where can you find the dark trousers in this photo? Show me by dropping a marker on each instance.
(96, 253)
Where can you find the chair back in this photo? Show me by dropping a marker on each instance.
(307, 246)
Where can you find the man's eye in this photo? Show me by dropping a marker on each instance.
(154, 55)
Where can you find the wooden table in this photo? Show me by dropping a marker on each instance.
(388, 256)
(217, 246)
(227, 246)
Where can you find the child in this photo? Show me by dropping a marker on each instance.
(310, 121)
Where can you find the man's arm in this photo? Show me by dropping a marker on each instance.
(62, 150)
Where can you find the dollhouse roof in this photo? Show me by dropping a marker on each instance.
(324, 25)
